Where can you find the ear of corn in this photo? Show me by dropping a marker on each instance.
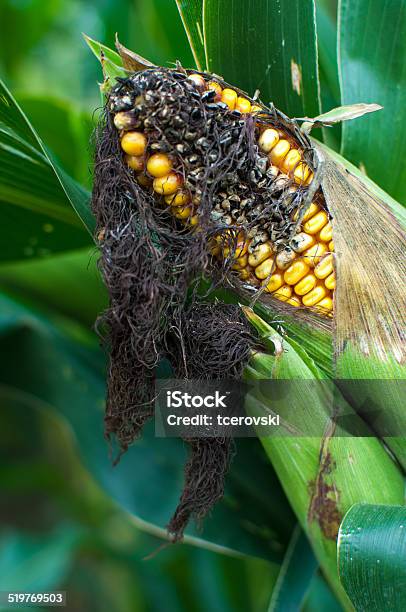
(295, 275)
(322, 477)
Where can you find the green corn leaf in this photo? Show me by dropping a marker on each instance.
(38, 197)
(371, 556)
(296, 573)
(191, 12)
(372, 46)
(266, 45)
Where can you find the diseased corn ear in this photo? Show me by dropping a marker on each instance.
(132, 61)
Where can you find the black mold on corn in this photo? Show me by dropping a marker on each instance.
(192, 179)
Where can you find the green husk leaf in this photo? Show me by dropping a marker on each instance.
(322, 477)
(371, 556)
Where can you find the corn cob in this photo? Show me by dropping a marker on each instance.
(300, 272)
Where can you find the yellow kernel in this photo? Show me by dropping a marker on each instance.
(182, 212)
(134, 143)
(316, 223)
(331, 246)
(229, 97)
(243, 105)
(217, 88)
(310, 212)
(309, 179)
(236, 250)
(245, 273)
(301, 173)
(283, 293)
(274, 283)
(159, 165)
(325, 267)
(284, 258)
(240, 262)
(325, 304)
(279, 152)
(123, 120)
(294, 301)
(194, 220)
(313, 255)
(166, 185)
(291, 161)
(180, 198)
(268, 139)
(265, 268)
(296, 271)
(198, 80)
(314, 296)
(330, 281)
(302, 241)
(307, 283)
(326, 233)
(134, 162)
(259, 254)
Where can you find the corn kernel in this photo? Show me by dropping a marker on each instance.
(123, 120)
(229, 97)
(240, 262)
(313, 255)
(274, 283)
(212, 85)
(259, 254)
(310, 212)
(296, 271)
(166, 185)
(294, 301)
(330, 281)
(284, 258)
(268, 139)
(325, 304)
(265, 268)
(279, 152)
(301, 242)
(283, 293)
(159, 165)
(301, 173)
(331, 246)
(309, 179)
(325, 267)
(316, 223)
(245, 274)
(134, 162)
(326, 233)
(243, 105)
(314, 296)
(134, 143)
(291, 161)
(198, 80)
(182, 212)
(194, 220)
(307, 283)
(180, 198)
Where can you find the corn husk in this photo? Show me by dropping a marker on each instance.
(322, 476)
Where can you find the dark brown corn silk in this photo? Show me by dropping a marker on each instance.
(152, 262)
